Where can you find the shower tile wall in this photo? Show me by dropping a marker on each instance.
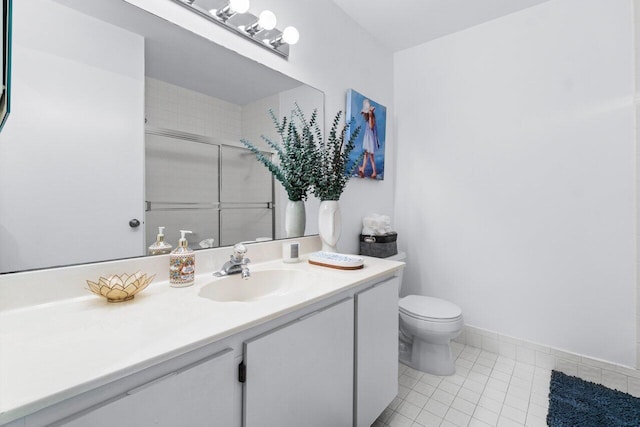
(173, 107)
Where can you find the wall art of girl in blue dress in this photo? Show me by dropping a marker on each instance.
(371, 117)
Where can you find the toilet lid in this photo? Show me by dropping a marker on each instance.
(429, 308)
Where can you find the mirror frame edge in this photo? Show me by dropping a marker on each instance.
(5, 100)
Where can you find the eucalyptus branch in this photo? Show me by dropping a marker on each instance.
(305, 161)
(331, 174)
(296, 152)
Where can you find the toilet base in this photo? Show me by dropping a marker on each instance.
(436, 359)
(404, 353)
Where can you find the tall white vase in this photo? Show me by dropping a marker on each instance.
(329, 224)
(295, 219)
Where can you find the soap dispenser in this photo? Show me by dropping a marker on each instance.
(182, 264)
(160, 247)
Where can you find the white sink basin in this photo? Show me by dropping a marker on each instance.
(262, 284)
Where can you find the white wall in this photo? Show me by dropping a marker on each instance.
(516, 195)
(333, 55)
(636, 9)
(257, 122)
(77, 111)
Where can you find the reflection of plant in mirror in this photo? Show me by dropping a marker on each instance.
(331, 174)
(296, 154)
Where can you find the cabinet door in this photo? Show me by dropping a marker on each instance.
(302, 373)
(200, 394)
(376, 350)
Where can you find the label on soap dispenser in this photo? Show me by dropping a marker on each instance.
(182, 270)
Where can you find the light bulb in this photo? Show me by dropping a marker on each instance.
(267, 20)
(239, 6)
(290, 35)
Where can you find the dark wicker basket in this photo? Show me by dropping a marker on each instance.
(379, 246)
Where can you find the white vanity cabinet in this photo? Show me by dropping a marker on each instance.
(197, 395)
(330, 362)
(301, 374)
(376, 348)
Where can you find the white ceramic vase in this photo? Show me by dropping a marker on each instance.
(295, 219)
(329, 224)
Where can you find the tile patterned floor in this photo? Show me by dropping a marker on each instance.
(486, 390)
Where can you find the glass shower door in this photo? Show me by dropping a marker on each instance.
(246, 197)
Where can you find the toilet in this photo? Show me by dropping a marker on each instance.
(427, 326)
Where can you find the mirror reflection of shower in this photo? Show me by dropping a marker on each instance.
(73, 149)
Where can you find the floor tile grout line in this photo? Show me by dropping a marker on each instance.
(474, 357)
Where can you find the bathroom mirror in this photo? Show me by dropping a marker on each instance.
(90, 82)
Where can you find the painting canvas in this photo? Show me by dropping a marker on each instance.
(372, 119)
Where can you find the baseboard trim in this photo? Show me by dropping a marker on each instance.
(618, 377)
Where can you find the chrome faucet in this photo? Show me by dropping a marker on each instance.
(236, 264)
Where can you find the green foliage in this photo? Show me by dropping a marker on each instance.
(331, 174)
(296, 154)
(304, 161)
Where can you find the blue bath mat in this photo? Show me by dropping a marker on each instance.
(575, 402)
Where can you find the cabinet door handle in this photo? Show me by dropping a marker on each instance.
(150, 383)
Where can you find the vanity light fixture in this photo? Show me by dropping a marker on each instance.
(234, 15)
(266, 21)
(289, 36)
(234, 6)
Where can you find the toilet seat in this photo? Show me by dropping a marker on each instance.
(429, 309)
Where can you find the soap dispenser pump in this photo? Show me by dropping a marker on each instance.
(182, 264)
(160, 247)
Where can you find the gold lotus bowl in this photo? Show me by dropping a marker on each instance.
(120, 288)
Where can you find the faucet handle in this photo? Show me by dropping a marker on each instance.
(239, 250)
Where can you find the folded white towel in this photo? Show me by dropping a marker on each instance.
(376, 225)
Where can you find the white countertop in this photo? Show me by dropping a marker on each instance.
(53, 351)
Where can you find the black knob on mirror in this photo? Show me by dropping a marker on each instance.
(134, 223)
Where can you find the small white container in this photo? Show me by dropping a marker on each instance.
(291, 252)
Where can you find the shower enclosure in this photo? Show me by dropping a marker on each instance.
(215, 189)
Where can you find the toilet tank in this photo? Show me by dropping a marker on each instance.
(400, 256)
